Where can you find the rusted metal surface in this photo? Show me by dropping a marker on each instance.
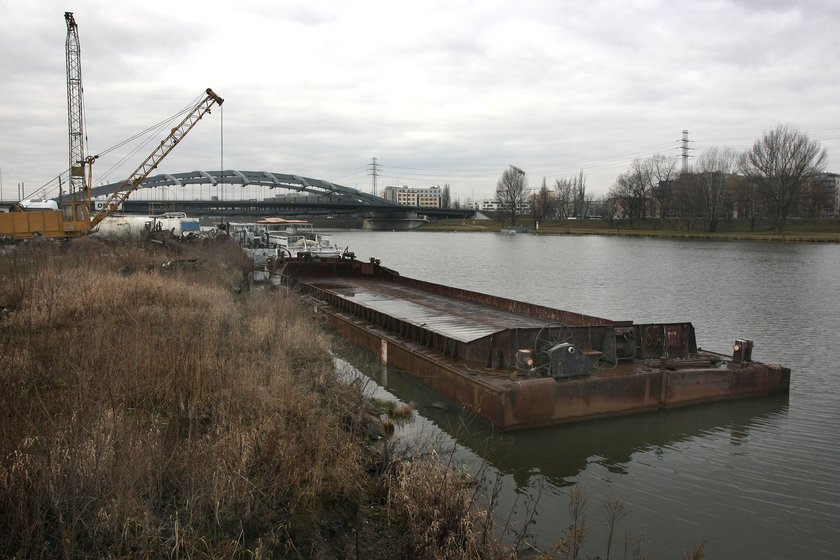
(463, 345)
(459, 320)
(481, 329)
(674, 340)
(545, 314)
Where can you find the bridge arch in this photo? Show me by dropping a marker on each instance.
(268, 179)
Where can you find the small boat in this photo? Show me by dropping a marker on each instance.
(305, 246)
(297, 239)
(514, 230)
(286, 238)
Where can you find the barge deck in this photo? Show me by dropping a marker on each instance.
(519, 365)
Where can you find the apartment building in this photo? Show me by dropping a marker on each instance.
(408, 196)
(493, 205)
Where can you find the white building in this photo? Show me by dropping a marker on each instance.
(493, 205)
(408, 196)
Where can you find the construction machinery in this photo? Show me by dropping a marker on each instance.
(73, 218)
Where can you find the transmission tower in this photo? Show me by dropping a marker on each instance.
(685, 150)
(374, 166)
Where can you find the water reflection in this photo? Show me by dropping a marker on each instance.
(754, 479)
(561, 453)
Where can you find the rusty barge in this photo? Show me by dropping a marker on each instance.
(518, 365)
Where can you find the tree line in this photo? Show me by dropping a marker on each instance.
(567, 198)
(771, 180)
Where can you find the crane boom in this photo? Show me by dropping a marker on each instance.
(73, 218)
(75, 108)
(167, 144)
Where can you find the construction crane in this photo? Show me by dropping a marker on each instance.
(73, 218)
(75, 110)
(116, 198)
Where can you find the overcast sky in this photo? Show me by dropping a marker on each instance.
(438, 91)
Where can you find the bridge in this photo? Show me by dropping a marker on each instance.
(306, 196)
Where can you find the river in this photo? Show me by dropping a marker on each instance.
(754, 479)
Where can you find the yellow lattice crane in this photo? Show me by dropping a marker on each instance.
(73, 218)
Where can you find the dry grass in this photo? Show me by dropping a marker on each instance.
(153, 411)
(434, 509)
(153, 406)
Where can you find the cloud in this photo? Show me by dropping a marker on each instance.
(440, 92)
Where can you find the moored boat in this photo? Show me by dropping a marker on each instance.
(519, 365)
(287, 238)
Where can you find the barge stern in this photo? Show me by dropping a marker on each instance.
(519, 365)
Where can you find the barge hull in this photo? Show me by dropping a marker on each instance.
(440, 336)
(530, 403)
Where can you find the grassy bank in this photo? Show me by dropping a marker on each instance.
(813, 231)
(153, 408)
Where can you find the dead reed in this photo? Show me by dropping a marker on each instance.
(153, 410)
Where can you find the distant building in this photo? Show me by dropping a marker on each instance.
(820, 198)
(409, 196)
(493, 205)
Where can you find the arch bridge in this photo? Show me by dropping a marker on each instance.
(305, 196)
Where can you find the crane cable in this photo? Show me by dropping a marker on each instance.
(155, 128)
(222, 150)
(151, 133)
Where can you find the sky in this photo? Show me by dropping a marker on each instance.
(439, 92)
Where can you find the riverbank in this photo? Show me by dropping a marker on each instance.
(801, 231)
(154, 406)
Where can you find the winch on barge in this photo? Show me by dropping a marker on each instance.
(519, 365)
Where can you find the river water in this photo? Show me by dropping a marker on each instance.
(754, 479)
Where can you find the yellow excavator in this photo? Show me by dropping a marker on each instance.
(73, 218)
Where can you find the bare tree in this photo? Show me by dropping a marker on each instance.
(646, 185)
(685, 200)
(445, 197)
(571, 197)
(714, 171)
(542, 203)
(615, 208)
(579, 195)
(662, 172)
(512, 191)
(639, 186)
(588, 200)
(563, 188)
(779, 164)
(600, 206)
(743, 198)
(624, 194)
